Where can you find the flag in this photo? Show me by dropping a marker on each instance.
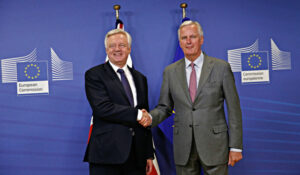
(32, 71)
(155, 167)
(254, 61)
(119, 24)
(163, 134)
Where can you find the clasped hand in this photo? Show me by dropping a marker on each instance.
(146, 119)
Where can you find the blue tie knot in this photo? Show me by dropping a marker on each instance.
(121, 71)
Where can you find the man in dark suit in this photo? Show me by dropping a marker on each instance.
(197, 86)
(118, 145)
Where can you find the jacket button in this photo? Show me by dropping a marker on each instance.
(130, 129)
(133, 133)
(194, 109)
(190, 125)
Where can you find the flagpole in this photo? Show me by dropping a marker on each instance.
(117, 8)
(183, 6)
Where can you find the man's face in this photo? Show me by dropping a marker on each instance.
(190, 42)
(118, 49)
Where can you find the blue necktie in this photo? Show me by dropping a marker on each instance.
(126, 86)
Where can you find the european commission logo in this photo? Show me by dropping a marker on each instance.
(32, 78)
(254, 64)
(31, 75)
(255, 67)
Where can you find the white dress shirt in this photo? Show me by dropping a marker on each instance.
(131, 84)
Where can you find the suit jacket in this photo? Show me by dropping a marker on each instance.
(114, 120)
(205, 118)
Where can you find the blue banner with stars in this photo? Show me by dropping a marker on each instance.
(255, 61)
(32, 71)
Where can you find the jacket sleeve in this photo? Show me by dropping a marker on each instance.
(165, 104)
(102, 105)
(233, 109)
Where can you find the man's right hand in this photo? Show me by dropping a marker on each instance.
(234, 157)
(146, 119)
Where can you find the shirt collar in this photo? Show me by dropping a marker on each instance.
(115, 68)
(197, 61)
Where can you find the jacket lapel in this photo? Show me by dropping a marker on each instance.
(181, 76)
(115, 79)
(206, 69)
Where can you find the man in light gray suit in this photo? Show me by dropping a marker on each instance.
(197, 86)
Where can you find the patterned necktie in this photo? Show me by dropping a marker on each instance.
(126, 86)
(193, 83)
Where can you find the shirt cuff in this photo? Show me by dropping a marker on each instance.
(139, 116)
(235, 150)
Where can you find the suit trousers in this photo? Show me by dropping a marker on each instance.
(195, 165)
(130, 167)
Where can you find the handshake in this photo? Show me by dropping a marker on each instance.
(146, 120)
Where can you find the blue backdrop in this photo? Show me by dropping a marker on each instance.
(47, 133)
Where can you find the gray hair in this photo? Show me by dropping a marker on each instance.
(187, 23)
(117, 31)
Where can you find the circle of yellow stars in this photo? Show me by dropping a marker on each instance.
(254, 56)
(32, 76)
